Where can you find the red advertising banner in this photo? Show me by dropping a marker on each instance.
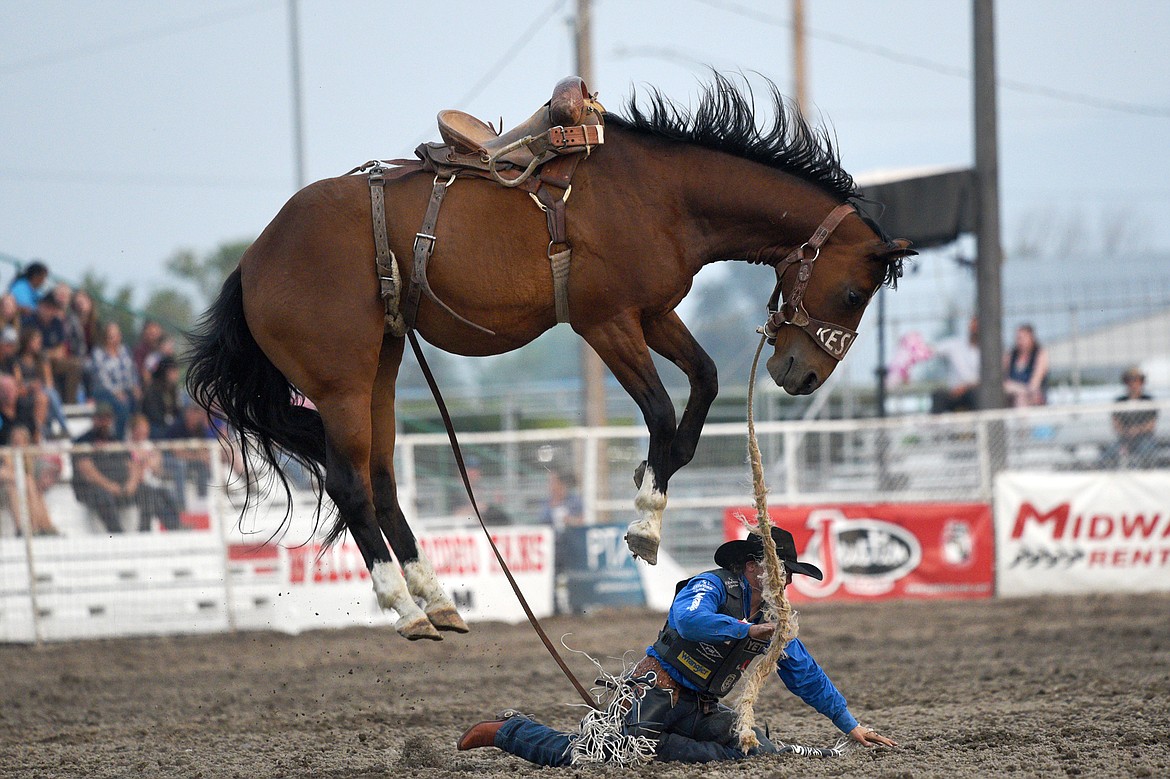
(871, 551)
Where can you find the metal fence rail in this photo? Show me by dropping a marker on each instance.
(87, 580)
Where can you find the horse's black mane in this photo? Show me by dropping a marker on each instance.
(725, 120)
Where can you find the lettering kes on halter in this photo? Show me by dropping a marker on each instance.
(834, 339)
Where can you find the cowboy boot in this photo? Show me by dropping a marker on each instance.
(483, 734)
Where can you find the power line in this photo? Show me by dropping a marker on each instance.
(127, 40)
(184, 181)
(507, 57)
(498, 66)
(924, 63)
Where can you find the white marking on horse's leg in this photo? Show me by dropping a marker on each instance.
(645, 533)
(393, 594)
(422, 582)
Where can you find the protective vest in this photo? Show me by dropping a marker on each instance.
(713, 667)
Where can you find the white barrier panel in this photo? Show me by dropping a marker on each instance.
(174, 583)
(129, 585)
(294, 588)
(1107, 531)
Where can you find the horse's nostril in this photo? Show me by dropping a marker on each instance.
(809, 383)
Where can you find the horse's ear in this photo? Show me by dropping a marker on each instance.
(898, 248)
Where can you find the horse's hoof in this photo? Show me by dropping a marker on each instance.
(645, 548)
(447, 618)
(417, 628)
(639, 474)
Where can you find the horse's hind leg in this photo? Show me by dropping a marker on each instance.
(421, 581)
(347, 450)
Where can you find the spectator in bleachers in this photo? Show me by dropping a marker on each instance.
(153, 499)
(37, 374)
(1026, 370)
(488, 504)
(961, 354)
(29, 286)
(9, 312)
(18, 406)
(51, 320)
(149, 339)
(113, 377)
(38, 513)
(1135, 446)
(166, 349)
(160, 400)
(9, 348)
(563, 507)
(192, 464)
(82, 323)
(103, 480)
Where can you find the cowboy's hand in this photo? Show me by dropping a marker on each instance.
(763, 631)
(868, 737)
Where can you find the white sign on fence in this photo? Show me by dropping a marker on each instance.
(1106, 531)
(171, 583)
(294, 588)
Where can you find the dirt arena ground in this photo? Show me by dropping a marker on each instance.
(1039, 687)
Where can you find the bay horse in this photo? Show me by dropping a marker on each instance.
(670, 191)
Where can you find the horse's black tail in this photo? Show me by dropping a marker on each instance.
(234, 380)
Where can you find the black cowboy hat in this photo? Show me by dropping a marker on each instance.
(752, 548)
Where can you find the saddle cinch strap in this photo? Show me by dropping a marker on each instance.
(539, 156)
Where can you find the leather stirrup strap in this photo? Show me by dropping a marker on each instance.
(558, 173)
(388, 276)
(424, 245)
(426, 369)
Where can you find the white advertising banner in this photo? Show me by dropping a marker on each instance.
(1106, 531)
(173, 583)
(293, 588)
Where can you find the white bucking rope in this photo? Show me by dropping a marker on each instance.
(777, 610)
(601, 737)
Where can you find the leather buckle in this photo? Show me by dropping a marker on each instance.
(424, 237)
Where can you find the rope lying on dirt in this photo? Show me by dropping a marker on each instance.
(777, 609)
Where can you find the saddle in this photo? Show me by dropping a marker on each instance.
(539, 156)
(570, 122)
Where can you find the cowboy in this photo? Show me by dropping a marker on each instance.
(714, 629)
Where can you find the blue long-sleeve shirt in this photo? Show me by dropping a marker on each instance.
(695, 615)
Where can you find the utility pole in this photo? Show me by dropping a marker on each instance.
(592, 368)
(799, 72)
(298, 128)
(988, 296)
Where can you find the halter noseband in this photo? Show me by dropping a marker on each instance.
(834, 339)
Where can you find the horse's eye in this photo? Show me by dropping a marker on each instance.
(854, 299)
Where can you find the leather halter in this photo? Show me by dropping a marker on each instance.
(833, 339)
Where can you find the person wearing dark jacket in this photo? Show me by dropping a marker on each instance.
(106, 479)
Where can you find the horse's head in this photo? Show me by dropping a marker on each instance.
(822, 289)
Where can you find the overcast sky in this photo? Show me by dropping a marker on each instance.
(130, 129)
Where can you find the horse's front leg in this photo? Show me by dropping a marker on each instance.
(621, 345)
(669, 337)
